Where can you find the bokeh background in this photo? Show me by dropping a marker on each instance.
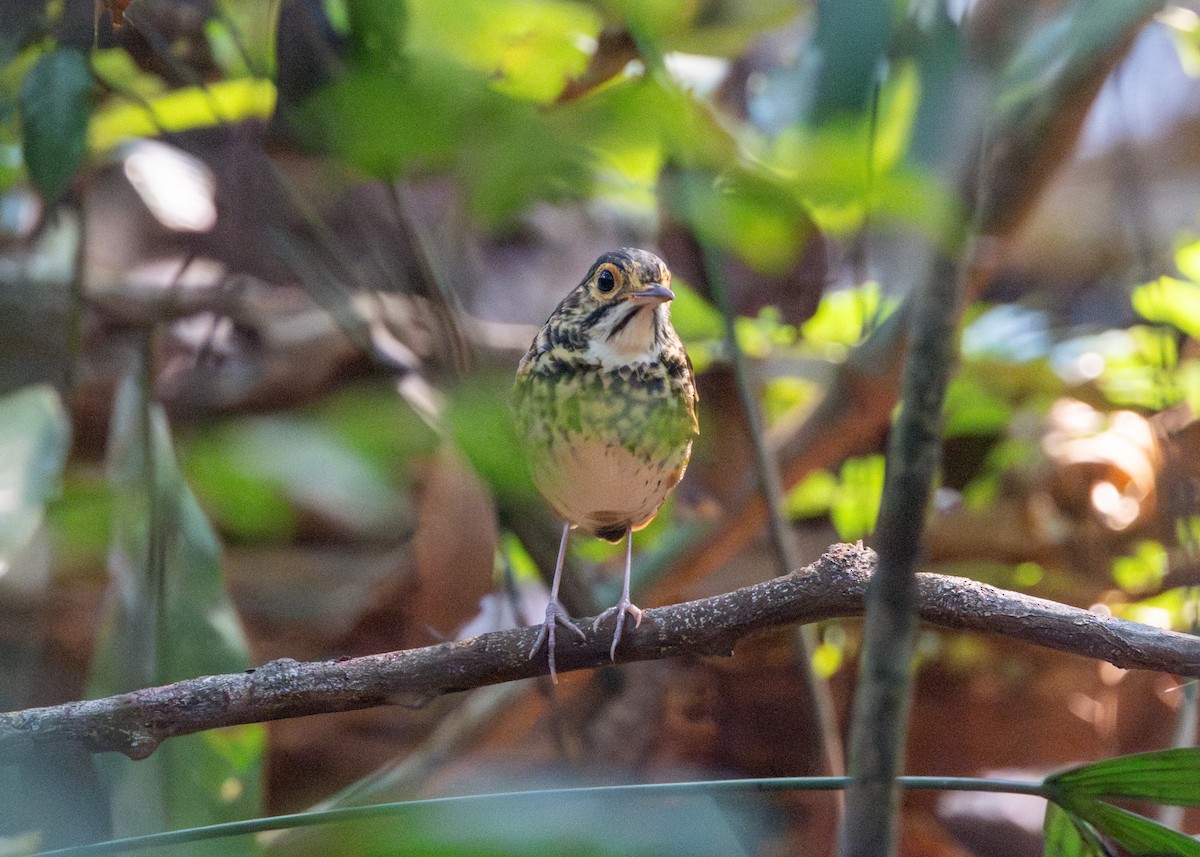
(266, 269)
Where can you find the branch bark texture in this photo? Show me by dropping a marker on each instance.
(832, 587)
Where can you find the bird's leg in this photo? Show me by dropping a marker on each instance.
(556, 614)
(624, 606)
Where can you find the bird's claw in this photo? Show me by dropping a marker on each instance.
(621, 609)
(556, 614)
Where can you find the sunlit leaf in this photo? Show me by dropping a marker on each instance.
(116, 69)
(1181, 24)
(1164, 776)
(55, 102)
(827, 659)
(844, 316)
(840, 177)
(529, 48)
(1144, 569)
(184, 109)
(812, 496)
(973, 408)
(855, 507)
(168, 618)
(652, 20)
(1136, 364)
(785, 395)
(34, 436)
(519, 560)
(1172, 609)
(1170, 301)
(1187, 258)
(243, 37)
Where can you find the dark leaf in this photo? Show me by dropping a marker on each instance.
(55, 102)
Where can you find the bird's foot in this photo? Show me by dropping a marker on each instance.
(556, 614)
(621, 609)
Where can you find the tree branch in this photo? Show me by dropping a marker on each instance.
(832, 587)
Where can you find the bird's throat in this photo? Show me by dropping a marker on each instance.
(634, 332)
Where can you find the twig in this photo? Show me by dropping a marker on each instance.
(136, 723)
(783, 540)
(882, 702)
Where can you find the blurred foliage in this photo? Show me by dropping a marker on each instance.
(474, 90)
(55, 96)
(851, 499)
(168, 618)
(567, 823)
(34, 435)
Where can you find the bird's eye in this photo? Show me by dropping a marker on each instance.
(606, 282)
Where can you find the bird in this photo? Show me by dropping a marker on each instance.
(604, 403)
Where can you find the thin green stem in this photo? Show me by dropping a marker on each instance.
(382, 810)
(782, 538)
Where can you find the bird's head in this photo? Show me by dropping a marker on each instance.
(621, 305)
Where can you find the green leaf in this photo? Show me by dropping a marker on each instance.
(692, 316)
(168, 618)
(843, 316)
(855, 507)
(1187, 260)
(1164, 776)
(377, 31)
(973, 408)
(529, 48)
(651, 20)
(436, 116)
(34, 436)
(256, 474)
(1137, 834)
(742, 211)
(55, 101)
(1144, 569)
(1063, 836)
(479, 419)
(813, 496)
(1170, 301)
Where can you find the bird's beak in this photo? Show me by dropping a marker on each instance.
(655, 293)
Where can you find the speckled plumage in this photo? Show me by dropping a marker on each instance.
(605, 403)
(594, 415)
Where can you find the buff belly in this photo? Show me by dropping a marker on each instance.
(603, 488)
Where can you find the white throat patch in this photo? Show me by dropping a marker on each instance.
(633, 342)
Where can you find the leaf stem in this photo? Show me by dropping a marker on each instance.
(383, 810)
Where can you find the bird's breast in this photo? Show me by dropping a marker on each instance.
(606, 446)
